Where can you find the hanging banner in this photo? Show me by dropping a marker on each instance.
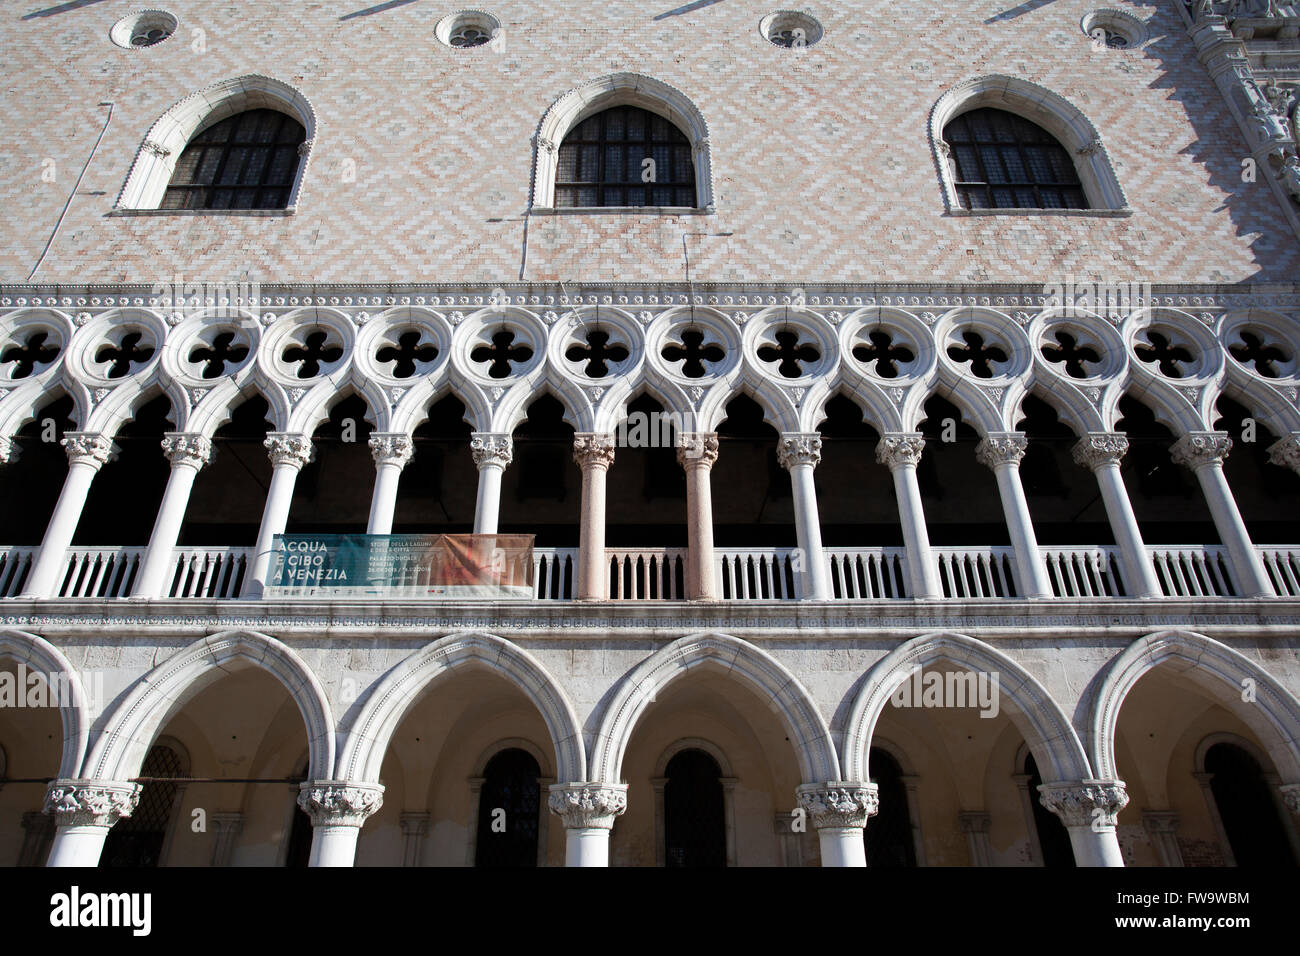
(447, 566)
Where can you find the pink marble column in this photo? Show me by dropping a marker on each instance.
(594, 454)
(696, 452)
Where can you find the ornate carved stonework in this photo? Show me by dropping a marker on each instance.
(336, 803)
(592, 450)
(6, 450)
(1001, 448)
(900, 448)
(701, 447)
(87, 448)
(1291, 797)
(799, 448)
(588, 805)
(183, 448)
(842, 804)
(91, 803)
(1197, 449)
(288, 449)
(1286, 453)
(490, 448)
(389, 449)
(1100, 448)
(1077, 804)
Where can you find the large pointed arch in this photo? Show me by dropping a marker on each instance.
(1045, 726)
(43, 657)
(739, 660)
(1218, 669)
(145, 709)
(363, 750)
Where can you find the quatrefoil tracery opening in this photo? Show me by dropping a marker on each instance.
(980, 356)
(884, 353)
(408, 354)
(312, 354)
(1254, 350)
(597, 353)
(125, 357)
(1163, 353)
(1071, 354)
(221, 352)
(502, 353)
(29, 355)
(693, 353)
(789, 353)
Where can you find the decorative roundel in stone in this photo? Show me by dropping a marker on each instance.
(500, 345)
(694, 346)
(307, 345)
(116, 346)
(1114, 29)
(1166, 351)
(983, 346)
(788, 344)
(1073, 347)
(1263, 345)
(143, 28)
(890, 346)
(211, 349)
(467, 29)
(791, 29)
(30, 347)
(593, 343)
(402, 345)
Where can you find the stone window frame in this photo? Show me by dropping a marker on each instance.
(151, 172)
(1268, 771)
(594, 96)
(1055, 114)
(726, 777)
(475, 783)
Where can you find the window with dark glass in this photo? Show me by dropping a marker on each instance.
(625, 156)
(508, 811)
(695, 832)
(1003, 161)
(248, 161)
(888, 834)
(137, 840)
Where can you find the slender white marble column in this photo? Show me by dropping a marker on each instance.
(1204, 453)
(799, 453)
(337, 809)
(289, 453)
(1088, 809)
(588, 811)
(594, 454)
(493, 453)
(391, 452)
(1101, 453)
(697, 452)
(1002, 451)
(839, 810)
(901, 452)
(975, 824)
(87, 453)
(84, 811)
(188, 453)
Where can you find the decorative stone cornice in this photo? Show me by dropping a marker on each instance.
(91, 803)
(799, 448)
(1078, 803)
(700, 448)
(87, 448)
(491, 448)
(1100, 448)
(839, 803)
(592, 450)
(1198, 449)
(391, 449)
(1286, 453)
(897, 449)
(588, 805)
(187, 448)
(1001, 448)
(339, 803)
(285, 448)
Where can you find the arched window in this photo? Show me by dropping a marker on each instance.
(137, 840)
(1249, 815)
(625, 156)
(248, 161)
(508, 808)
(1003, 161)
(888, 834)
(1053, 838)
(695, 831)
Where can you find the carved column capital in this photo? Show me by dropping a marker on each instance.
(700, 448)
(1100, 448)
(90, 803)
(186, 448)
(491, 448)
(897, 449)
(1001, 448)
(338, 802)
(1286, 452)
(592, 450)
(87, 448)
(1160, 821)
(6, 450)
(391, 449)
(974, 821)
(286, 448)
(588, 805)
(1198, 449)
(844, 803)
(414, 822)
(1085, 802)
(1291, 797)
(799, 448)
